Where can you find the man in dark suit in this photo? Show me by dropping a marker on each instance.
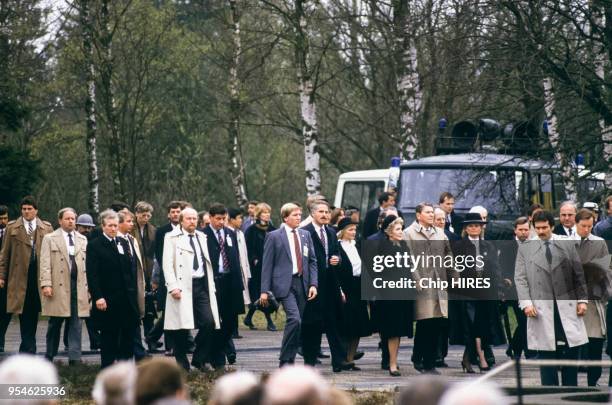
(5, 318)
(567, 219)
(289, 271)
(144, 233)
(225, 259)
(111, 279)
(174, 212)
(453, 221)
(321, 314)
(517, 343)
(370, 223)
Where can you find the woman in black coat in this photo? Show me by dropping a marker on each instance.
(255, 237)
(394, 318)
(473, 312)
(355, 318)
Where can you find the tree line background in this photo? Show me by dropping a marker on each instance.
(229, 100)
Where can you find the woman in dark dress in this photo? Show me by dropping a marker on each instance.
(356, 321)
(394, 318)
(255, 236)
(473, 313)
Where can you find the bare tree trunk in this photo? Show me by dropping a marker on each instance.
(307, 101)
(93, 200)
(237, 163)
(567, 172)
(408, 83)
(116, 149)
(605, 127)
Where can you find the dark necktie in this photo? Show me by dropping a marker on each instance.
(129, 248)
(31, 235)
(570, 232)
(196, 265)
(548, 253)
(222, 251)
(298, 253)
(324, 242)
(73, 265)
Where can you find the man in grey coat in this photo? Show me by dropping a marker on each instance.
(552, 293)
(289, 271)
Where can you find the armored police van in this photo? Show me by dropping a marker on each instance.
(504, 184)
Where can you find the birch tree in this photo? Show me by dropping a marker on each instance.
(93, 200)
(567, 172)
(408, 83)
(308, 108)
(237, 163)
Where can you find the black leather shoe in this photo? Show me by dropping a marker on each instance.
(249, 324)
(271, 327)
(231, 358)
(395, 373)
(345, 365)
(358, 355)
(431, 371)
(384, 366)
(322, 355)
(418, 366)
(441, 364)
(236, 336)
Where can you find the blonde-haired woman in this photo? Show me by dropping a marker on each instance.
(394, 318)
(355, 318)
(255, 236)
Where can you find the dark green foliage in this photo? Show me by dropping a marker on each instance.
(19, 174)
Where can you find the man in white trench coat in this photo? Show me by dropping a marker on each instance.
(191, 301)
(552, 292)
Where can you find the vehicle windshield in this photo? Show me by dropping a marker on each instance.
(500, 191)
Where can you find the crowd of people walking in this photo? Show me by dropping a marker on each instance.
(133, 283)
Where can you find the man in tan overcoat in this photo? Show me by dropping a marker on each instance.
(431, 310)
(64, 284)
(19, 270)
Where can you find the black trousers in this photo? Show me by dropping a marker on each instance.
(426, 340)
(518, 342)
(117, 341)
(595, 351)
(569, 375)
(28, 319)
(222, 340)
(204, 322)
(312, 333)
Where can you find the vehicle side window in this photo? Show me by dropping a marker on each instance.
(362, 194)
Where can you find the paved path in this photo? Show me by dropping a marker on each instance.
(258, 352)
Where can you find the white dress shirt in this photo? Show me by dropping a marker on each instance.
(216, 233)
(69, 249)
(350, 249)
(26, 223)
(294, 254)
(199, 273)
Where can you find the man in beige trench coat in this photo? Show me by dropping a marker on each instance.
(431, 310)
(19, 270)
(64, 284)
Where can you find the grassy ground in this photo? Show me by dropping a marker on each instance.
(79, 381)
(259, 320)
